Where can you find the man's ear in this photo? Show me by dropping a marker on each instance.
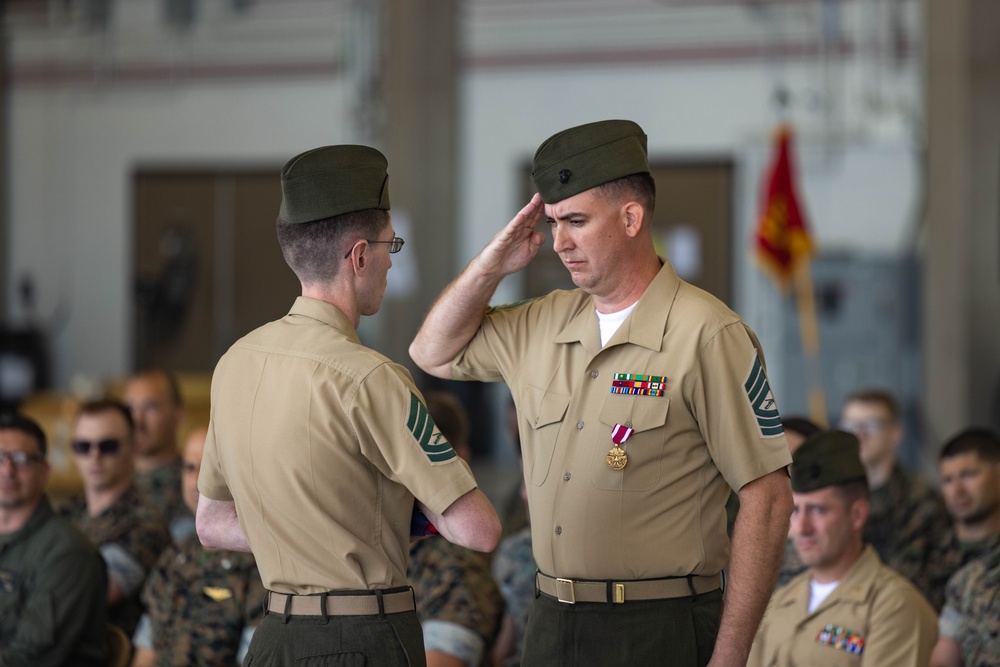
(635, 218)
(859, 513)
(357, 257)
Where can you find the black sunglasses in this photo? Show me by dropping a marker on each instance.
(107, 446)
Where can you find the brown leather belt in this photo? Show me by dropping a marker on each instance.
(366, 604)
(572, 591)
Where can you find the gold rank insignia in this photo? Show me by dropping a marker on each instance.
(217, 594)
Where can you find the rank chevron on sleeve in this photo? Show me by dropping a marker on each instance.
(430, 439)
(762, 403)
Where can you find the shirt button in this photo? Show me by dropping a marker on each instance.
(594, 374)
(558, 530)
(566, 477)
(579, 424)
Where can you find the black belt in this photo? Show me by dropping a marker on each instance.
(572, 591)
(366, 603)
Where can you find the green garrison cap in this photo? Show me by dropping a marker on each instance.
(829, 458)
(333, 180)
(586, 156)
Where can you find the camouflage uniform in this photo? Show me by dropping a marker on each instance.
(791, 565)
(198, 604)
(971, 614)
(948, 556)
(453, 585)
(131, 535)
(906, 519)
(162, 486)
(514, 571)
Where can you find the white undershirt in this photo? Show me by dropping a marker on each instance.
(611, 322)
(819, 592)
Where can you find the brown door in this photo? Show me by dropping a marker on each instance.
(207, 267)
(692, 225)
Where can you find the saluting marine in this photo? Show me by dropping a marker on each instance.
(641, 402)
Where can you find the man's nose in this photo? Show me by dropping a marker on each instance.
(560, 239)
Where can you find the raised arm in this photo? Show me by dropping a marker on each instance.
(455, 317)
(470, 522)
(758, 543)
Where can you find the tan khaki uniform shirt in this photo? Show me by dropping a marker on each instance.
(323, 443)
(714, 427)
(873, 618)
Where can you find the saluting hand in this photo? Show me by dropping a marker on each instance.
(516, 244)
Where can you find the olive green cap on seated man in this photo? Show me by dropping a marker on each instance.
(333, 180)
(829, 458)
(583, 157)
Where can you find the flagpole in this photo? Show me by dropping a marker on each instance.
(809, 331)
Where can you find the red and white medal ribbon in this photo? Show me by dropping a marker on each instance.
(619, 434)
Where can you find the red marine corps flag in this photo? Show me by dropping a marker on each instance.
(781, 242)
(782, 246)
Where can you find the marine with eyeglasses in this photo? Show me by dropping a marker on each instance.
(319, 448)
(907, 515)
(53, 609)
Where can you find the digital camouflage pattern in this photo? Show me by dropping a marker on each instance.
(791, 565)
(974, 594)
(199, 602)
(162, 486)
(906, 520)
(453, 584)
(138, 528)
(514, 572)
(948, 556)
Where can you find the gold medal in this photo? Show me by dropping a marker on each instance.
(616, 458)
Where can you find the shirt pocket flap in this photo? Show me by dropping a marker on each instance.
(549, 408)
(644, 412)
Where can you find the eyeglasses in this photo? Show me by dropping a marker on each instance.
(864, 426)
(396, 244)
(20, 459)
(107, 446)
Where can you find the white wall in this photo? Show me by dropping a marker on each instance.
(72, 157)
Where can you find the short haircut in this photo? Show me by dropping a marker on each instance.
(449, 416)
(640, 187)
(173, 385)
(16, 421)
(881, 396)
(982, 441)
(852, 491)
(804, 427)
(313, 250)
(102, 405)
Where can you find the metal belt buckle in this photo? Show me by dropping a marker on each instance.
(560, 582)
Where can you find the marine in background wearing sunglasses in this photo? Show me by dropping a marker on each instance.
(52, 581)
(126, 527)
